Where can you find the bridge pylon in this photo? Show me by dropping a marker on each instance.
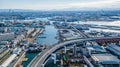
(43, 65)
(74, 49)
(65, 49)
(54, 57)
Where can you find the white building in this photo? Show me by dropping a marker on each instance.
(8, 61)
(18, 39)
(6, 36)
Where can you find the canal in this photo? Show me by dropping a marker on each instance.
(30, 56)
(48, 37)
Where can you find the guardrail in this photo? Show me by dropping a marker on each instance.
(57, 46)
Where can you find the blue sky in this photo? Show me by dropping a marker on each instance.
(58, 4)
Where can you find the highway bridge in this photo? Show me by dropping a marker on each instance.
(39, 60)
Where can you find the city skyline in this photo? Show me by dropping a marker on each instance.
(59, 5)
(64, 33)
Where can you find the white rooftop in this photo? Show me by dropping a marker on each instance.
(105, 58)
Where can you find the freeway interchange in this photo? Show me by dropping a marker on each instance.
(39, 60)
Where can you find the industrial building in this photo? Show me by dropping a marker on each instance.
(93, 49)
(114, 49)
(6, 36)
(12, 57)
(105, 60)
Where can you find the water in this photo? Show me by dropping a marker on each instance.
(50, 63)
(42, 19)
(112, 23)
(105, 30)
(30, 56)
(108, 23)
(50, 33)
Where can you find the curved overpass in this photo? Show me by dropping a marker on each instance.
(40, 59)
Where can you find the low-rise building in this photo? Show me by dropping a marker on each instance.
(93, 49)
(105, 60)
(6, 36)
(114, 49)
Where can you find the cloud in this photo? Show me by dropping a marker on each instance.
(97, 4)
(61, 4)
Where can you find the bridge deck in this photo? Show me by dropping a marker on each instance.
(39, 61)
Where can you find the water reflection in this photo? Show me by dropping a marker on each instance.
(49, 36)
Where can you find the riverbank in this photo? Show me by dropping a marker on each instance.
(50, 35)
(31, 39)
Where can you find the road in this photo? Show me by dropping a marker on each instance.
(16, 61)
(80, 32)
(20, 59)
(40, 59)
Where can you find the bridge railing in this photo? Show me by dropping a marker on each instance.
(67, 42)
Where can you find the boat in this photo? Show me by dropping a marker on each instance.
(42, 37)
(34, 48)
(24, 59)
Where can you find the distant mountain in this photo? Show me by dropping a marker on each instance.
(85, 9)
(65, 9)
(16, 10)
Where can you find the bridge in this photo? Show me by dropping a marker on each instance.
(39, 60)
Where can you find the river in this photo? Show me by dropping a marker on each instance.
(50, 35)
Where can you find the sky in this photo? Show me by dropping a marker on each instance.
(59, 4)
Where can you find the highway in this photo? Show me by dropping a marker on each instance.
(80, 32)
(40, 59)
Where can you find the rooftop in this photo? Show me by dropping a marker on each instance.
(115, 47)
(105, 58)
(96, 47)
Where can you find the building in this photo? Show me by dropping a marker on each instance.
(93, 49)
(114, 49)
(3, 50)
(6, 36)
(8, 61)
(105, 60)
(2, 24)
(99, 57)
(81, 27)
(18, 40)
